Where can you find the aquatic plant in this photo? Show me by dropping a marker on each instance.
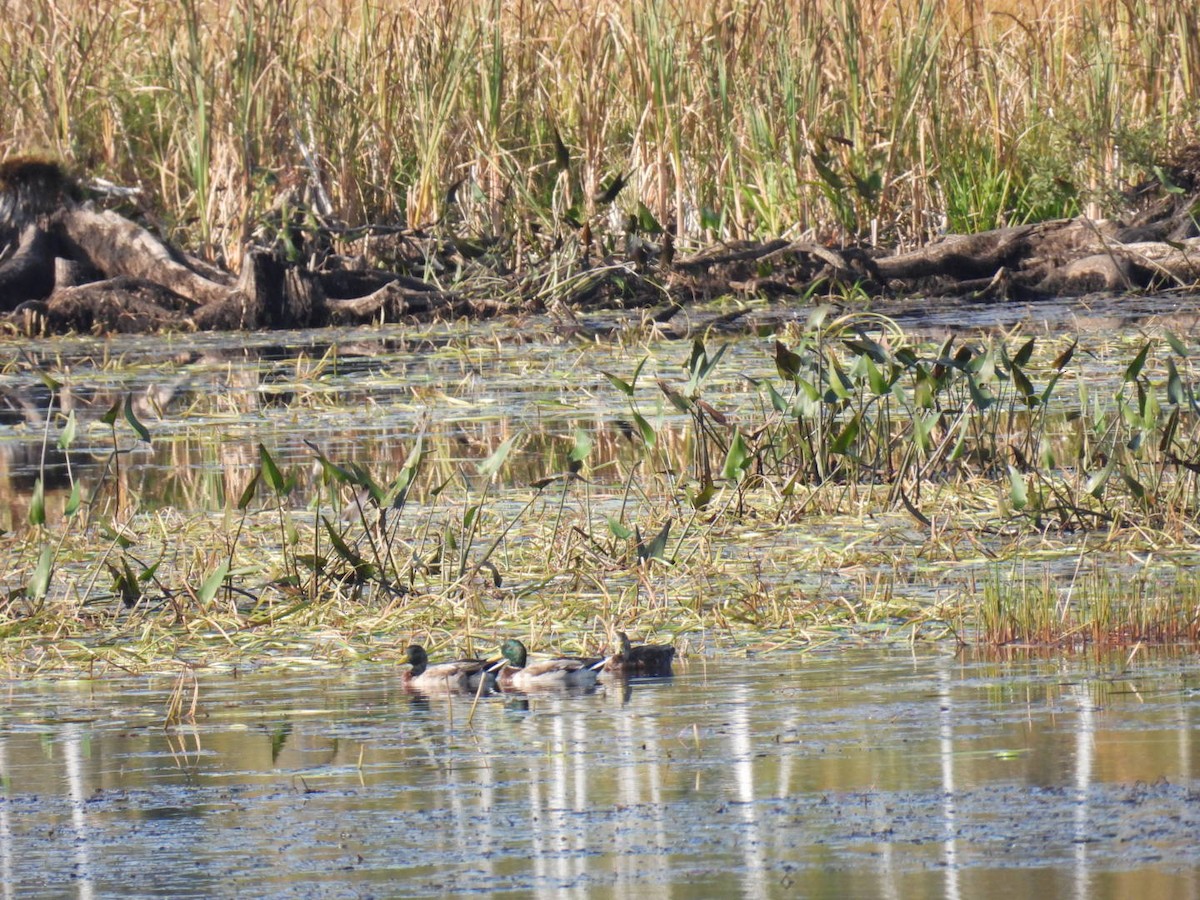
(712, 501)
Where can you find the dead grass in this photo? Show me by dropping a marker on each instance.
(842, 119)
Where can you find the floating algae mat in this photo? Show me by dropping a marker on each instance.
(855, 774)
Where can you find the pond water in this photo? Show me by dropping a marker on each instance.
(360, 395)
(364, 395)
(855, 774)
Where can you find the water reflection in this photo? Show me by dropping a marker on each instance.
(869, 775)
(946, 748)
(72, 744)
(367, 394)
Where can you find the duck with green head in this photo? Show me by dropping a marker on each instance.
(460, 675)
(644, 659)
(516, 673)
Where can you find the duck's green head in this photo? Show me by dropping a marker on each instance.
(417, 658)
(514, 651)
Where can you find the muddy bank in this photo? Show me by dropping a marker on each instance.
(69, 266)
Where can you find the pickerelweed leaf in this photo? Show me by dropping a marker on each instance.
(212, 584)
(777, 402)
(618, 530)
(74, 500)
(647, 224)
(67, 436)
(737, 459)
(621, 385)
(39, 581)
(645, 430)
(701, 498)
(846, 437)
(1060, 361)
(134, 422)
(271, 473)
(1096, 482)
(981, 400)
(1024, 386)
(657, 547)
(786, 362)
(248, 493)
(492, 464)
(1134, 369)
(332, 472)
(1024, 354)
(1168, 435)
(37, 504)
(110, 417)
(1017, 492)
(1175, 392)
(677, 400)
(1135, 487)
(582, 447)
(1176, 344)
(880, 385)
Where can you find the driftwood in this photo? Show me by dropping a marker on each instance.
(68, 266)
(1070, 256)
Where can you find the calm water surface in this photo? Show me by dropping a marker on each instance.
(860, 774)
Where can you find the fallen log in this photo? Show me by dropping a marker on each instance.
(963, 256)
(72, 267)
(395, 302)
(121, 305)
(118, 247)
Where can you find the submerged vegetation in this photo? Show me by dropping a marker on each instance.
(516, 122)
(831, 488)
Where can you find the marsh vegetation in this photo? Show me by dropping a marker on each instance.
(653, 348)
(315, 165)
(503, 121)
(841, 482)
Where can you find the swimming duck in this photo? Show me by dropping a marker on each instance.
(516, 674)
(644, 659)
(460, 675)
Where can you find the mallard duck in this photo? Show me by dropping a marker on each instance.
(644, 659)
(460, 675)
(516, 674)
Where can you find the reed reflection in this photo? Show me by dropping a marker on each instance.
(72, 743)
(742, 759)
(947, 749)
(6, 831)
(1084, 765)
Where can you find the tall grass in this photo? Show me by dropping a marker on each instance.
(841, 119)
